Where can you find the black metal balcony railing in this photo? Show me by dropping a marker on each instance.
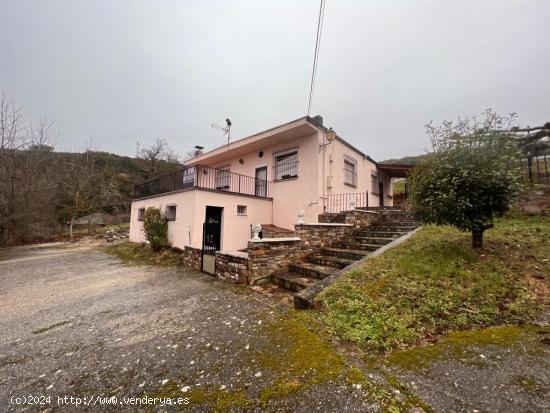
(205, 177)
(344, 202)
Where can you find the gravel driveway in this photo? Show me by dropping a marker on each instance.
(76, 322)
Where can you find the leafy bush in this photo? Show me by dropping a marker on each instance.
(471, 178)
(155, 228)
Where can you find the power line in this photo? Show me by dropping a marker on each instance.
(316, 53)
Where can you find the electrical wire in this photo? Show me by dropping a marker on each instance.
(316, 53)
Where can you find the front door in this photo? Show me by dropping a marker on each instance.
(261, 182)
(211, 238)
(381, 193)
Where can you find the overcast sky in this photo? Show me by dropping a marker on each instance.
(130, 71)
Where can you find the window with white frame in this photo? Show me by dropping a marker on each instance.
(222, 178)
(350, 171)
(374, 183)
(170, 213)
(141, 213)
(285, 164)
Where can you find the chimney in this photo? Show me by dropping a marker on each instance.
(318, 119)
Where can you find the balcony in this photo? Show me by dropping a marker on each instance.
(204, 177)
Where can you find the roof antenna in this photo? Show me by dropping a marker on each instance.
(226, 130)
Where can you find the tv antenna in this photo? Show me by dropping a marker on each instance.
(226, 131)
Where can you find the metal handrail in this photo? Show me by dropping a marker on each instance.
(344, 202)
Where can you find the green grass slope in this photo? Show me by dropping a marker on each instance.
(435, 282)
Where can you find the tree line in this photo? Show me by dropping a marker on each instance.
(43, 192)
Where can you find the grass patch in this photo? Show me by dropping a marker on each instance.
(435, 282)
(132, 253)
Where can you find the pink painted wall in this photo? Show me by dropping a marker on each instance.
(289, 196)
(190, 215)
(235, 228)
(334, 174)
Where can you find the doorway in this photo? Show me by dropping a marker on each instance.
(211, 238)
(261, 182)
(381, 193)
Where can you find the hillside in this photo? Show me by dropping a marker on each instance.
(41, 190)
(126, 171)
(408, 160)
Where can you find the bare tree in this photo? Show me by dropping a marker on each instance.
(78, 187)
(161, 159)
(23, 167)
(112, 197)
(197, 151)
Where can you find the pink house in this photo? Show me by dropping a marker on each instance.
(295, 171)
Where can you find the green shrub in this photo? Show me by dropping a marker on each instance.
(155, 228)
(470, 178)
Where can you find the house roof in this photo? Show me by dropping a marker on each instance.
(278, 134)
(395, 170)
(340, 139)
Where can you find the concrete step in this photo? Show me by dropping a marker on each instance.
(383, 234)
(373, 240)
(396, 219)
(394, 224)
(330, 260)
(293, 281)
(344, 253)
(358, 246)
(393, 228)
(312, 270)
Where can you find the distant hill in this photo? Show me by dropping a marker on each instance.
(123, 171)
(409, 160)
(50, 186)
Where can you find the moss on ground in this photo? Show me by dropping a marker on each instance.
(455, 345)
(293, 358)
(298, 357)
(529, 384)
(132, 253)
(435, 283)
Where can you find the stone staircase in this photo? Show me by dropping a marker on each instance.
(390, 225)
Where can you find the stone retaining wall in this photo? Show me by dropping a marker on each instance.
(316, 236)
(192, 257)
(356, 217)
(269, 256)
(360, 218)
(233, 267)
(332, 218)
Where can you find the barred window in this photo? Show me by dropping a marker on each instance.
(286, 164)
(241, 209)
(350, 172)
